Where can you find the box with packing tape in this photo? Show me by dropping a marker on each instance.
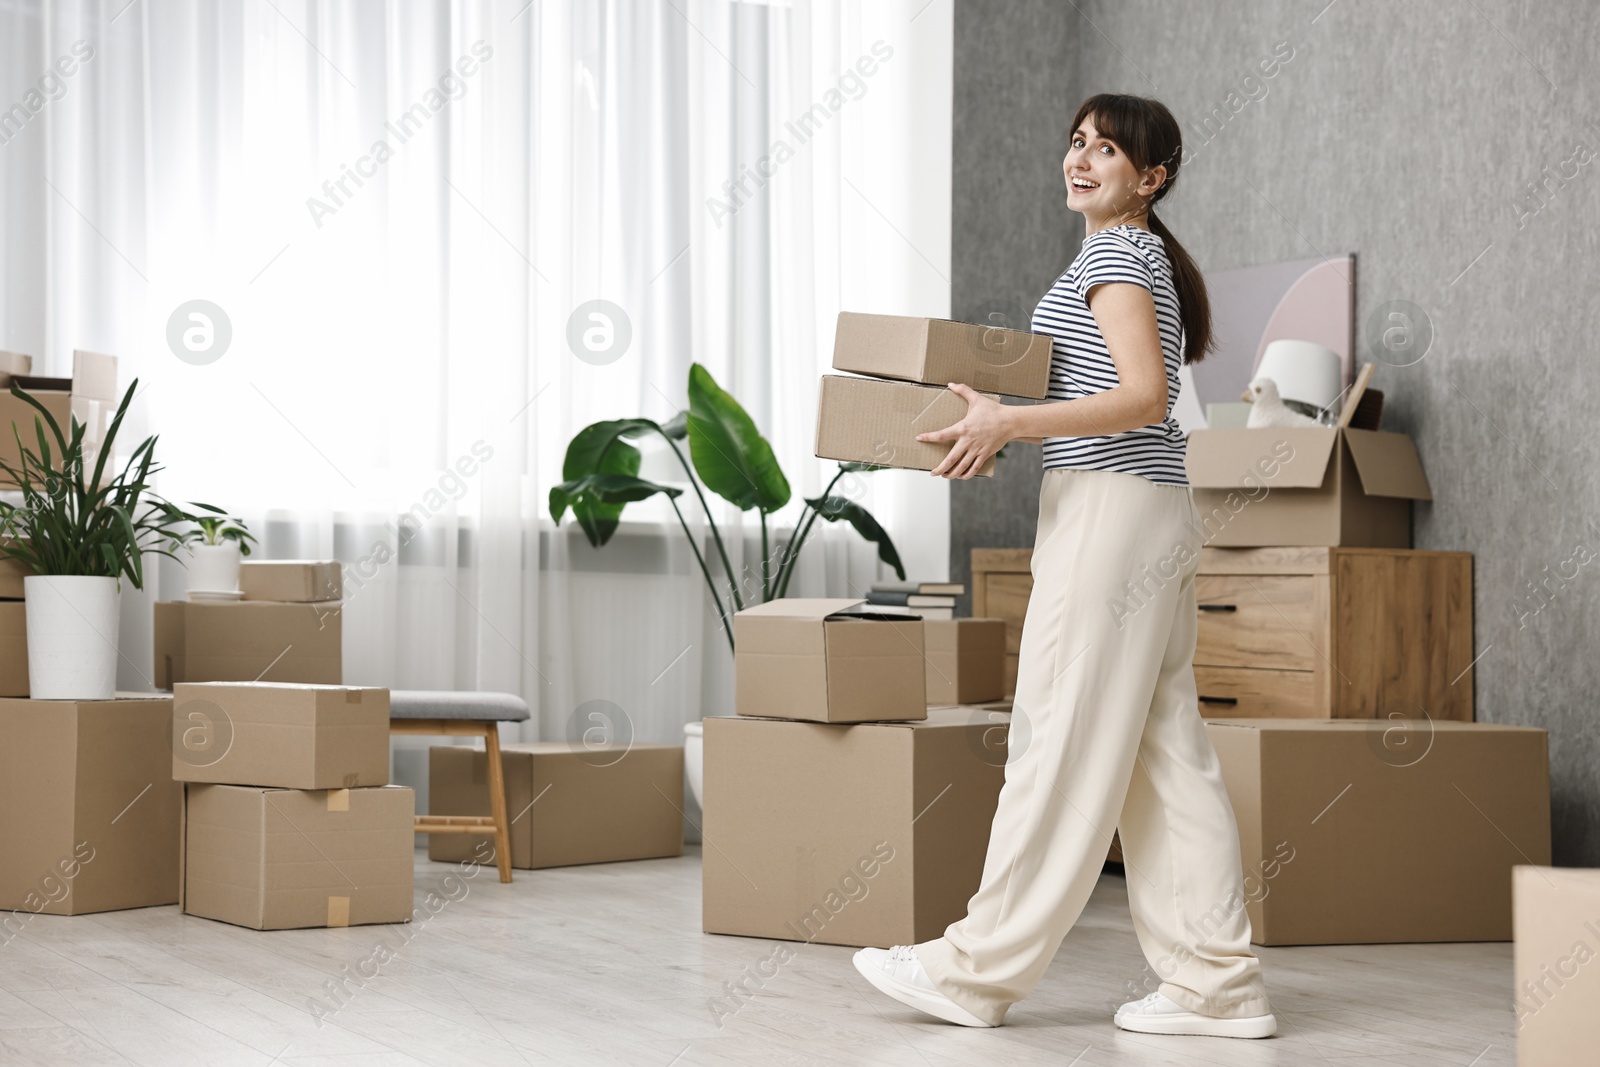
(864, 834)
(89, 812)
(280, 735)
(593, 807)
(938, 352)
(295, 581)
(1371, 831)
(869, 420)
(827, 660)
(283, 859)
(248, 640)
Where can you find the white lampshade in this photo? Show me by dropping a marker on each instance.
(1303, 371)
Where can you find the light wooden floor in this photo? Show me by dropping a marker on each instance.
(607, 964)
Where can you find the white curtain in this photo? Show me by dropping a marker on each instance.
(398, 209)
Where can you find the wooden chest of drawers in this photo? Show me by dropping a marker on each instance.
(1332, 633)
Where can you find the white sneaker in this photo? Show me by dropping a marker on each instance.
(897, 972)
(1155, 1014)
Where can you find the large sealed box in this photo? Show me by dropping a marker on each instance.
(12, 572)
(246, 641)
(800, 658)
(966, 660)
(1384, 830)
(567, 805)
(866, 834)
(281, 859)
(938, 351)
(868, 420)
(13, 649)
(1305, 486)
(90, 396)
(281, 735)
(89, 812)
(1557, 990)
(292, 580)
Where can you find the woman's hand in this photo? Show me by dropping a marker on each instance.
(983, 432)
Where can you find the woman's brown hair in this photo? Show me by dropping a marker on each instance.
(1146, 131)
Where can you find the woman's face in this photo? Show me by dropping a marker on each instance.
(1102, 181)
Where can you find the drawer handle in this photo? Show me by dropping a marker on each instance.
(1219, 700)
(1219, 607)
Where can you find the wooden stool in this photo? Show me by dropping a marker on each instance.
(437, 713)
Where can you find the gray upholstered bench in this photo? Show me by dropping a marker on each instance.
(435, 713)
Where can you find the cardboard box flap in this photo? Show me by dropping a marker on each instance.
(1224, 459)
(869, 614)
(1388, 464)
(802, 607)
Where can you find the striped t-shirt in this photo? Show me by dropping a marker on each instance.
(1080, 363)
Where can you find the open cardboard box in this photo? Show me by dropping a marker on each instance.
(814, 659)
(1314, 485)
(938, 352)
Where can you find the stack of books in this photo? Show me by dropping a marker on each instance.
(931, 600)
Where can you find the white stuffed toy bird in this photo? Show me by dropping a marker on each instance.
(1267, 408)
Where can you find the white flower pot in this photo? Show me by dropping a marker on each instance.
(214, 568)
(72, 637)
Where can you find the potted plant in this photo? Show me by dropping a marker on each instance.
(79, 532)
(215, 550)
(731, 458)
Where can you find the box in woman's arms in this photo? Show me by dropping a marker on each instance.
(938, 352)
(867, 420)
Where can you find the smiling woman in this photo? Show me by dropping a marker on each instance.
(1110, 701)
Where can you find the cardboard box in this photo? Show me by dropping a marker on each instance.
(90, 396)
(1305, 486)
(12, 572)
(280, 735)
(588, 810)
(89, 813)
(246, 641)
(866, 420)
(1557, 983)
(283, 859)
(965, 660)
(13, 364)
(871, 834)
(801, 658)
(13, 649)
(1387, 830)
(292, 580)
(938, 352)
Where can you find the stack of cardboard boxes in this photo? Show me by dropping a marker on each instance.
(285, 628)
(287, 818)
(911, 361)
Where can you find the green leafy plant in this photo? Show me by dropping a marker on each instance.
(73, 519)
(219, 527)
(726, 455)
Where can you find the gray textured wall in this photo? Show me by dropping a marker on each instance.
(1455, 149)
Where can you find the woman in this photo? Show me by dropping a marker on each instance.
(1105, 676)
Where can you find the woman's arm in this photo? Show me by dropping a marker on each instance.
(1126, 315)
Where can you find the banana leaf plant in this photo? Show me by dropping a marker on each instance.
(726, 455)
